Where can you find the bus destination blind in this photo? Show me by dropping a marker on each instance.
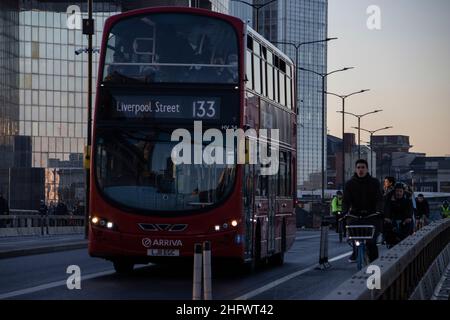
(165, 107)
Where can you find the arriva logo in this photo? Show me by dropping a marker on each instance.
(146, 242)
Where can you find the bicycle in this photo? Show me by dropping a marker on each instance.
(358, 235)
(396, 233)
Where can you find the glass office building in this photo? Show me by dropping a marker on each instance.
(43, 94)
(298, 21)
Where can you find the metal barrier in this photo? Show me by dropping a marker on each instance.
(401, 268)
(432, 286)
(35, 224)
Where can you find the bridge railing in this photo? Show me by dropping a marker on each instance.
(32, 223)
(401, 268)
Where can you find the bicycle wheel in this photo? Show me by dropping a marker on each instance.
(341, 231)
(360, 256)
(366, 260)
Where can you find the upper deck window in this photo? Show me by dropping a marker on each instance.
(171, 48)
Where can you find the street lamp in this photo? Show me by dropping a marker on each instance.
(413, 186)
(323, 76)
(88, 29)
(371, 136)
(343, 97)
(359, 116)
(256, 7)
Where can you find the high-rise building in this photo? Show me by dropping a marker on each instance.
(43, 94)
(298, 21)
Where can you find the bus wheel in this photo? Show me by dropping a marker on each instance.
(277, 259)
(123, 266)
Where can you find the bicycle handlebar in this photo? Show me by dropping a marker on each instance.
(364, 217)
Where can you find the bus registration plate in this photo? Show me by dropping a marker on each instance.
(163, 252)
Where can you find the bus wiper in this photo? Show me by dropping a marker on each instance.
(201, 204)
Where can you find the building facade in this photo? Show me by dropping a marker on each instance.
(351, 154)
(298, 21)
(392, 154)
(43, 94)
(430, 174)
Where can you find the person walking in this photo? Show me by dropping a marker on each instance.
(4, 210)
(43, 209)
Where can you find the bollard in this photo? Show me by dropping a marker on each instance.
(323, 256)
(197, 281)
(207, 288)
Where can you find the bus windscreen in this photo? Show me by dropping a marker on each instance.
(135, 170)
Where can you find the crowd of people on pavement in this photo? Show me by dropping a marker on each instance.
(393, 210)
(60, 209)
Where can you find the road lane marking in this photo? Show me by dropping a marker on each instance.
(51, 285)
(288, 277)
(312, 237)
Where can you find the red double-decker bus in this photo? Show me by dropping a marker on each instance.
(162, 69)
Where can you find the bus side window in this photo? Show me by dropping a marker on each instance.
(263, 186)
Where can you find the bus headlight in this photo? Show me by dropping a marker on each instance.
(103, 223)
(217, 227)
(234, 223)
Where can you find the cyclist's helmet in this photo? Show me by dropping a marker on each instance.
(445, 203)
(339, 193)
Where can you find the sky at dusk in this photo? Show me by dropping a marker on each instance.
(406, 65)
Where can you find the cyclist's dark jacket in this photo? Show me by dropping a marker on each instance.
(422, 208)
(362, 196)
(398, 209)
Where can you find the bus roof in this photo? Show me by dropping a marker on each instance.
(173, 9)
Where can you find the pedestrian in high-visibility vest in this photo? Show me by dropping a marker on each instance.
(336, 208)
(445, 210)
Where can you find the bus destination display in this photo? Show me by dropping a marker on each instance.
(166, 107)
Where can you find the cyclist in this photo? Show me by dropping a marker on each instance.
(363, 198)
(336, 208)
(445, 210)
(388, 187)
(398, 216)
(422, 210)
